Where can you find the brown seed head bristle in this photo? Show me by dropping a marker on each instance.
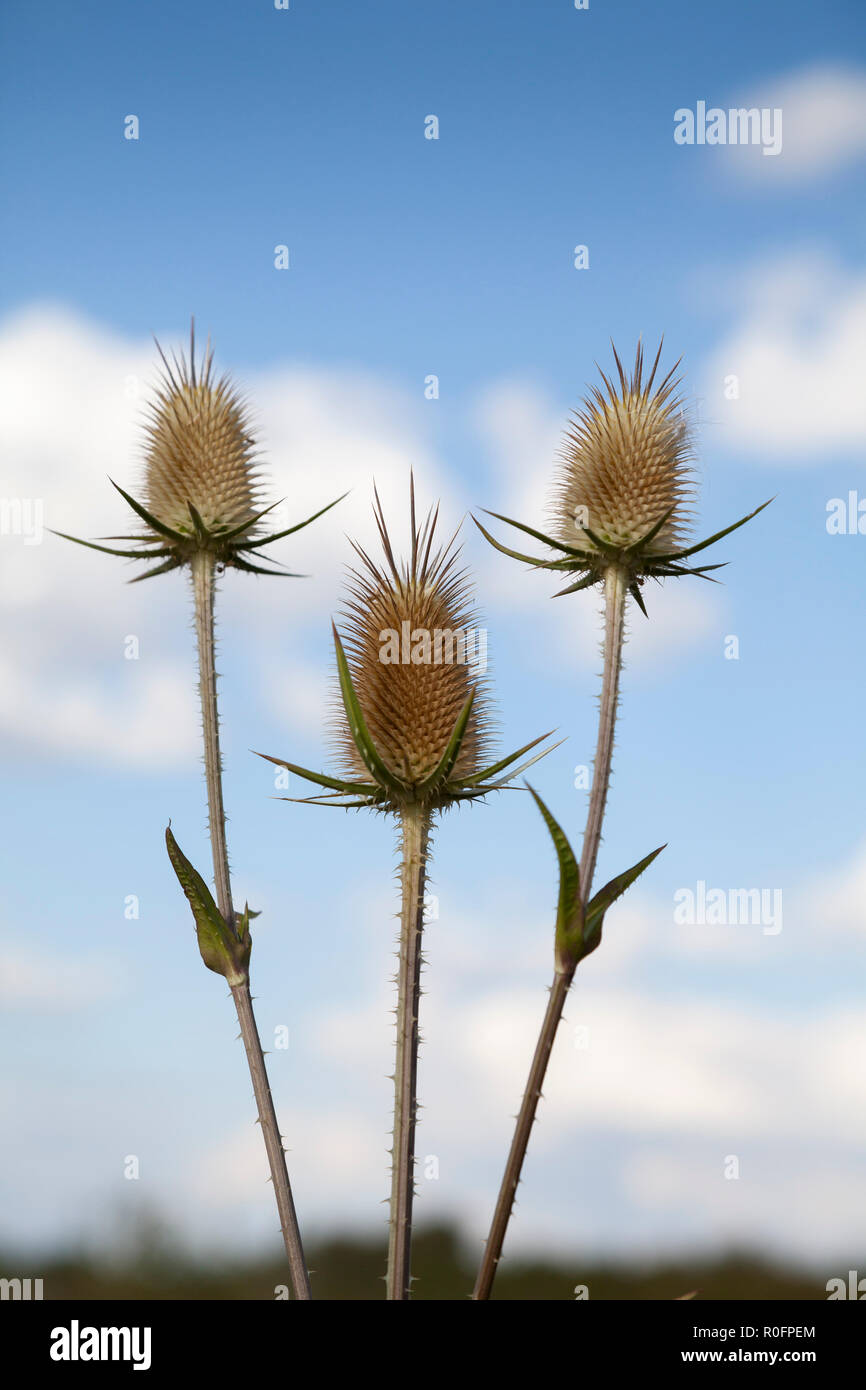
(625, 461)
(199, 448)
(411, 707)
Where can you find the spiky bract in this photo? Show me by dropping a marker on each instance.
(413, 724)
(200, 449)
(625, 461)
(200, 477)
(624, 486)
(416, 654)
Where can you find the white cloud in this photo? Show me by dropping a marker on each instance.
(664, 1066)
(338, 1166)
(764, 1202)
(148, 719)
(328, 432)
(655, 1078)
(687, 1073)
(796, 352)
(837, 899)
(645, 1075)
(823, 126)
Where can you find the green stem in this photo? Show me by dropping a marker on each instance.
(202, 566)
(615, 594)
(415, 840)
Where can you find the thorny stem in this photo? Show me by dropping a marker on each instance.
(203, 587)
(523, 1128)
(415, 837)
(615, 592)
(202, 566)
(273, 1142)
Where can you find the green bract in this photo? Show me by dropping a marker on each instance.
(176, 547)
(385, 791)
(225, 947)
(636, 559)
(578, 927)
(201, 478)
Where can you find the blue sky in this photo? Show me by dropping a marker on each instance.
(452, 257)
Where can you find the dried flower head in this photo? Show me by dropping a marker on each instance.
(200, 476)
(624, 488)
(200, 449)
(413, 722)
(416, 654)
(625, 462)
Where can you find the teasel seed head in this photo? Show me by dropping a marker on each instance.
(200, 448)
(413, 722)
(201, 479)
(625, 486)
(625, 461)
(412, 706)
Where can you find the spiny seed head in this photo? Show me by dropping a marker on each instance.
(200, 448)
(622, 497)
(412, 643)
(626, 461)
(200, 478)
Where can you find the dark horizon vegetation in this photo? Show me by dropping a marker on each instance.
(353, 1268)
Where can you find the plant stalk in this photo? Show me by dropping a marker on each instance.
(203, 582)
(415, 840)
(203, 588)
(615, 593)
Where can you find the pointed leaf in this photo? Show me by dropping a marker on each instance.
(497, 767)
(443, 770)
(699, 574)
(669, 567)
(515, 554)
(602, 900)
(604, 546)
(504, 781)
(237, 563)
(108, 550)
(569, 913)
(634, 590)
(160, 569)
(585, 583)
(142, 539)
(323, 781)
(200, 528)
(242, 922)
(366, 804)
(246, 525)
(576, 551)
(358, 725)
(278, 535)
(221, 949)
(693, 550)
(146, 516)
(680, 572)
(652, 533)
